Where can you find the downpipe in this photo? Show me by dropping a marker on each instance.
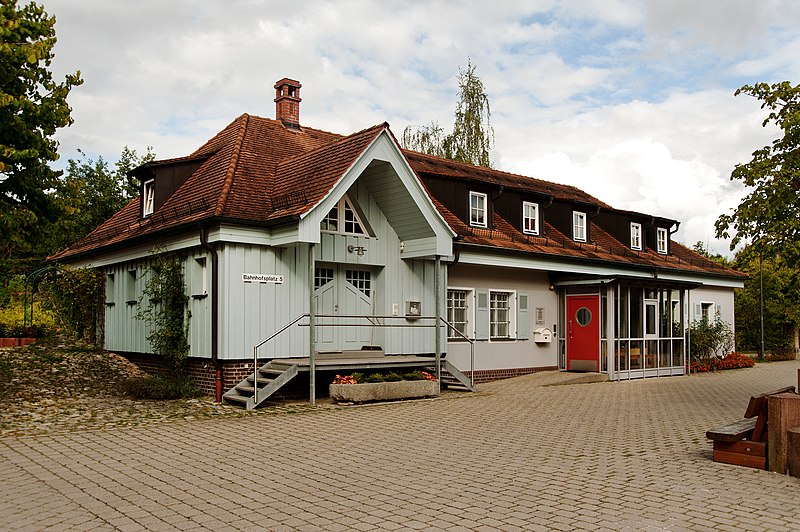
(214, 312)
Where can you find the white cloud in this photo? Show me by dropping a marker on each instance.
(632, 101)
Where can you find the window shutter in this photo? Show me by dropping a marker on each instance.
(523, 320)
(482, 315)
(698, 312)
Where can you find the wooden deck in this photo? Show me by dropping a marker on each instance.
(328, 363)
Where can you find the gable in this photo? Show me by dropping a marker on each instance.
(398, 193)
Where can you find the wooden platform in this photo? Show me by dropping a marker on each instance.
(327, 363)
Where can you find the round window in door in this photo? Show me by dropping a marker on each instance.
(583, 316)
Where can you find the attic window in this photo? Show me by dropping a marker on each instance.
(148, 197)
(477, 209)
(661, 240)
(579, 226)
(343, 218)
(530, 218)
(636, 236)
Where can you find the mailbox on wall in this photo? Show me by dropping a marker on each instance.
(413, 310)
(542, 335)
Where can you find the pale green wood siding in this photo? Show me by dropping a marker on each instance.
(125, 333)
(251, 312)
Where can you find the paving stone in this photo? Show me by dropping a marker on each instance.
(516, 455)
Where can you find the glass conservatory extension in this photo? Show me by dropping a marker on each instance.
(645, 338)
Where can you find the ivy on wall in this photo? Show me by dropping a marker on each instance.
(164, 305)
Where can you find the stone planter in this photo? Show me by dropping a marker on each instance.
(383, 391)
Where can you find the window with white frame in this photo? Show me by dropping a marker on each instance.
(636, 236)
(530, 218)
(458, 313)
(579, 226)
(477, 209)
(500, 315)
(148, 197)
(707, 311)
(662, 237)
(343, 218)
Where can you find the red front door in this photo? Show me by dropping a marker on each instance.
(583, 333)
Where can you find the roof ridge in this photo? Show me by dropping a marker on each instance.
(473, 167)
(328, 145)
(303, 129)
(229, 175)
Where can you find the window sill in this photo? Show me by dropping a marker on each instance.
(199, 296)
(110, 303)
(131, 302)
(502, 339)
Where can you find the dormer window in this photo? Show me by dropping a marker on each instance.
(148, 197)
(530, 218)
(343, 218)
(478, 209)
(579, 226)
(636, 236)
(662, 237)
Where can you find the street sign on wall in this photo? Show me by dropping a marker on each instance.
(262, 278)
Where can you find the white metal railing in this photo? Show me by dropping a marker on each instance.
(371, 321)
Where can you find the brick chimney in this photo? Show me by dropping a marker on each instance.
(287, 102)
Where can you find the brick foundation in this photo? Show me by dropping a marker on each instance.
(16, 342)
(488, 375)
(200, 369)
(234, 371)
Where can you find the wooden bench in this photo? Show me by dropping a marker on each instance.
(744, 442)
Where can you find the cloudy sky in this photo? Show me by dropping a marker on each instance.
(631, 101)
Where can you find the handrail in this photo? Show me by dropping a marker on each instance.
(369, 324)
(255, 351)
(471, 350)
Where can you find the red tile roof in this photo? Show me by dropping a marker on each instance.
(257, 170)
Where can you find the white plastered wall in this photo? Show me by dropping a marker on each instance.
(506, 354)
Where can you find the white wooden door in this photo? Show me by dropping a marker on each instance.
(343, 296)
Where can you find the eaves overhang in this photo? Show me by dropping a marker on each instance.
(595, 265)
(171, 231)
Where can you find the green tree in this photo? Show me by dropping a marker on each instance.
(769, 216)
(472, 137)
(32, 107)
(90, 192)
(700, 249)
(781, 283)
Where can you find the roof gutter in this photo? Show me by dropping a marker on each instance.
(214, 310)
(588, 260)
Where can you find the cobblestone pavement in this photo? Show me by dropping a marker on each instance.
(516, 455)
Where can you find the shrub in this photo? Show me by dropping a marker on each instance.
(414, 376)
(160, 387)
(11, 322)
(710, 339)
(392, 376)
(732, 361)
(784, 353)
(344, 379)
(76, 297)
(373, 377)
